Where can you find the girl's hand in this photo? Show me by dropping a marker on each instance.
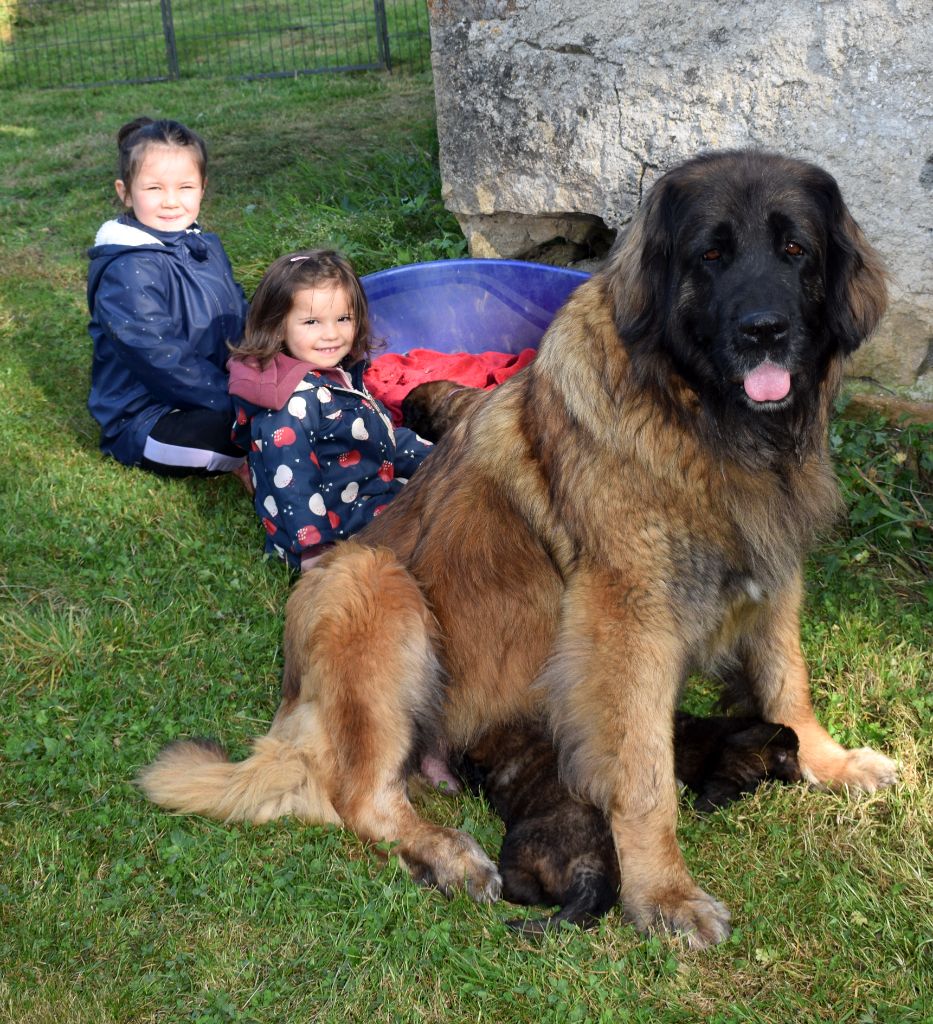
(309, 561)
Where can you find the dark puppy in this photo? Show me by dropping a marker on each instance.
(721, 758)
(432, 408)
(559, 850)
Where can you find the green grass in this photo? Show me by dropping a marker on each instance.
(134, 610)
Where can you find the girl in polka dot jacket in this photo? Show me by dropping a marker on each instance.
(323, 453)
(324, 456)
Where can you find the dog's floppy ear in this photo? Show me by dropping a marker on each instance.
(856, 282)
(639, 266)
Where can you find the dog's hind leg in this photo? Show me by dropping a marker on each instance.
(359, 647)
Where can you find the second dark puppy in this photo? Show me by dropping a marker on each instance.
(558, 850)
(432, 408)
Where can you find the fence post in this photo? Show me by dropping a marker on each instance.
(168, 30)
(382, 33)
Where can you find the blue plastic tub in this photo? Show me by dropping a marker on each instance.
(467, 305)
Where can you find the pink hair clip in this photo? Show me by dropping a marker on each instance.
(297, 259)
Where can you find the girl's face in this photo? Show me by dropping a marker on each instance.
(167, 191)
(320, 327)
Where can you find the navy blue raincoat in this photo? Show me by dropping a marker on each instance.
(163, 307)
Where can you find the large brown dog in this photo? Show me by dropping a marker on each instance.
(634, 505)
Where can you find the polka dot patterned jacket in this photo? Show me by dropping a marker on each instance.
(323, 453)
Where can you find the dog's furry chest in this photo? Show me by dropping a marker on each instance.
(730, 563)
(713, 598)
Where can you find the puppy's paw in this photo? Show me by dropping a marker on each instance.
(863, 770)
(694, 915)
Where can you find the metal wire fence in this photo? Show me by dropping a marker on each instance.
(45, 43)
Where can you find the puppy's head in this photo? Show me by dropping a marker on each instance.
(432, 408)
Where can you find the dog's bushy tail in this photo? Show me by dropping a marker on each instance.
(359, 671)
(278, 778)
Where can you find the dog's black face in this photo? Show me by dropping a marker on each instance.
(432, 408)
(749, 298)
(751, 281)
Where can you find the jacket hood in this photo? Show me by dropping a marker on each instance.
(269, 386)
(127, 232)
(118, 232)
(115, 237)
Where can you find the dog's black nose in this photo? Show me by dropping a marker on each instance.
(764, 326)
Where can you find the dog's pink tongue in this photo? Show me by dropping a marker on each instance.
(767, 383)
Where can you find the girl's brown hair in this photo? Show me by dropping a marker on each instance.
(264, 334)
(135, 137)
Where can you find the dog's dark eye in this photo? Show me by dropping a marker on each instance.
(711, 255)
(793, 248)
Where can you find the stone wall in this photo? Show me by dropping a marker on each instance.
(554, 116)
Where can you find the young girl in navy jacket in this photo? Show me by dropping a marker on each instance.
(164, 306)
(323, 453)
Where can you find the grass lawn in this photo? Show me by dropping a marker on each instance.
(134, 610)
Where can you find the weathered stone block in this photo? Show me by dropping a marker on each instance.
(555, 116)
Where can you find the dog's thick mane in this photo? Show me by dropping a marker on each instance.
(664, 431)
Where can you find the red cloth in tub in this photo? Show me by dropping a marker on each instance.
(392, 376)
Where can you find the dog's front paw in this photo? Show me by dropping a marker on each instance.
(863, 770)
(693, 914)
(455, 860)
